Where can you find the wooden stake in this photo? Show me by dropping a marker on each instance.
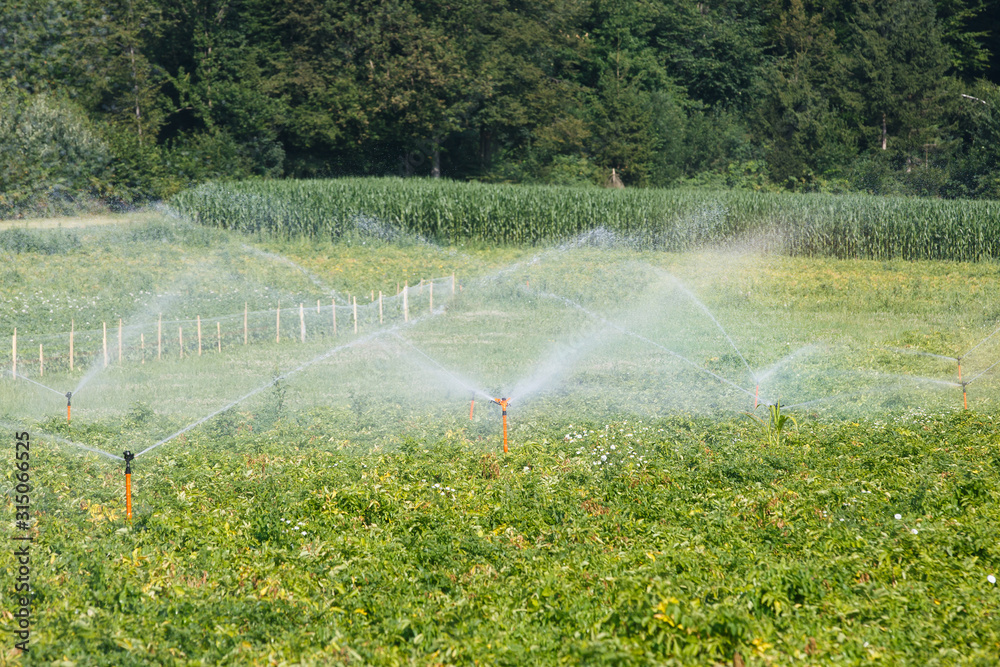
(421, 286)
(380, 306)
(406, 305)
(119, 341)
(159, 337)
(317, 306)
(244, 322)
(373, 296)
(218, 334)
(333, 307)
(355, 314)
(302, 323)
(104, 325)
(13, 354)
(72, 326)
(199, 335)
(41, 362)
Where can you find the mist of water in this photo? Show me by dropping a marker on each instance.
(439, 368)
(644, 339)
(66, 441)
(983, 372)
(39, 384)
(705, 309)
(274, 257)
(779, 365)
(981, 343)
(301, 367)
(558, 361)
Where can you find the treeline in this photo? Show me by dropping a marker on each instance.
(125, 100)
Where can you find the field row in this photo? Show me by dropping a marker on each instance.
(676, 220)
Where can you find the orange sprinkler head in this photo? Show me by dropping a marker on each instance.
(128, 456)
(472, 406)
(69, 400)
(965, 398)
(756, 397)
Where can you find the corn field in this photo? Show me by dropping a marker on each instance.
(846, 226)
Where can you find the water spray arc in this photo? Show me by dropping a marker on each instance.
(301, 367)
(958, 360)
(502, 402)
(698, 302)
(622, 330)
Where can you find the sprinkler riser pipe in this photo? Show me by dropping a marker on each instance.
(128, 456)
(502, 402)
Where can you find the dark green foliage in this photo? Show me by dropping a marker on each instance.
(790, 94)
(51, 154)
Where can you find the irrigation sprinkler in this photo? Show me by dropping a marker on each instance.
(502, 402)
(472, 406)
(756, 396)
(69, 399)
(128, 456)
(965, 398)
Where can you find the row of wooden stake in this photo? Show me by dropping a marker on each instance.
(218, 329)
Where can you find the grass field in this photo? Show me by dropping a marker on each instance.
(351, 512)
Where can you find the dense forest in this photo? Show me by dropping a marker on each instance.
(128, 100)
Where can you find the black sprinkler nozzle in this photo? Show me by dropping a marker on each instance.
(69, 397)
(128, 456)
